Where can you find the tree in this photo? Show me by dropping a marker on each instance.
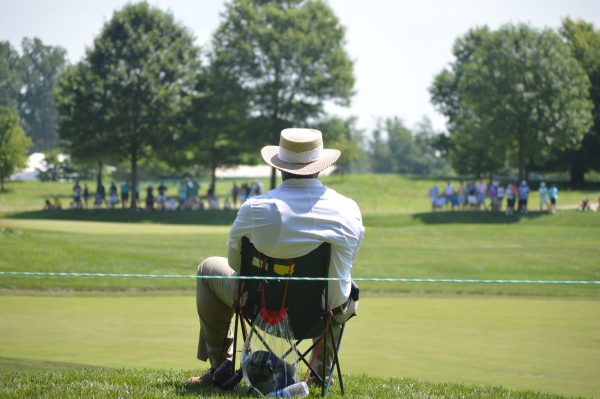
(10, 79)
(584, 41)
(14, 144)
(342, 134)
(430, 161)
(40, 67)
(397, 149)
(289, 56)
(82, 102)
(216, 125)
(142, 66)
(513, 94)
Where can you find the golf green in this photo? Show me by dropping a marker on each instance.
(546, 344)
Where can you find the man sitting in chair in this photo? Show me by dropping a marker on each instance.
(287, 222)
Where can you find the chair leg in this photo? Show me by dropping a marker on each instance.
(337, 359)
(335, 364)
(324, 388)
(235, 334)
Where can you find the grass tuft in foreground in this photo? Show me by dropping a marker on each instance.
(111, 383)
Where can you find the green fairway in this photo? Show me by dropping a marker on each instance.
(517, 336)
(541, 247)
(550, 345)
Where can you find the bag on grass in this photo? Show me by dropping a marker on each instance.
(269, 360)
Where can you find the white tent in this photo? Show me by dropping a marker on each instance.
(34, 162)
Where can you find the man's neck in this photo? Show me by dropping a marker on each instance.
(286, 175)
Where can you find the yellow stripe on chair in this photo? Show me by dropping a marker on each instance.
(284, 270)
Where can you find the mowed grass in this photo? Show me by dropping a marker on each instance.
(546, 345)
(519, 336)
(127, 383)
(540, 247)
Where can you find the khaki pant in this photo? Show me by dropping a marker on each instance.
(214, 302)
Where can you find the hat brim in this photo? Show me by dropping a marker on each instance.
(328, 158)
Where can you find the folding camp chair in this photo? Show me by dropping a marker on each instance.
(304, 301)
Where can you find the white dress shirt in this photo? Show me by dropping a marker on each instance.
(294, 219)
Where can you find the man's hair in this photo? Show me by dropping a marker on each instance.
(287, 175)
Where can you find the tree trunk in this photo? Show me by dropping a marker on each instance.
(134, 181)
(577, 173)
(99, 175)
(1, 182)
(273, 178)
(213, 179)
(521, 160)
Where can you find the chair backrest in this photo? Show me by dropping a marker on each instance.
(304, 299)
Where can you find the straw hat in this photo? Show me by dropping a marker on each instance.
(300, 152)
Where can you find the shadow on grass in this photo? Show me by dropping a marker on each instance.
(472, 217)
(204, 217)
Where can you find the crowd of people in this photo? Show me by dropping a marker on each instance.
(188, 197)
(478, 196)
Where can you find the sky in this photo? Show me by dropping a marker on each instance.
(397, 46)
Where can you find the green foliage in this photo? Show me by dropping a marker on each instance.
(290, 58)
(511, 95)
(14, 144)
(10, 79)
(584, 42)
(82, 103)
(41, 66)
(396, 149)
(141, 68)
(216, 122)
(342, 134)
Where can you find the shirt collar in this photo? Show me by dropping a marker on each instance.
(300, 183)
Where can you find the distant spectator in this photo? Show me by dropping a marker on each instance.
(196, 204)
(171, 204)
(150, 198)
(598, 205)
(86, 194)
(245, 192)
(481, 191)
(124, 194)
(100, 190)
(585, 206)
(544, 198)
(553, 194)
(213, 203)
(113, 196)
(493, 192)
(161, 198)
(462, 195)
(48, 204)
(227, 203)
(472, 195)
(448, 193)
(523, 197)
(510, 194)
(434, 193)
(195, 189)
(57, 204)
(98, 200)
(235, 193)
(77, 195)
(182, 193)
(500, 194)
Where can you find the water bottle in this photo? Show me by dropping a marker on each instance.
(297, 390)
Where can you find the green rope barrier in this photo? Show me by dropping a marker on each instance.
(291, 278)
